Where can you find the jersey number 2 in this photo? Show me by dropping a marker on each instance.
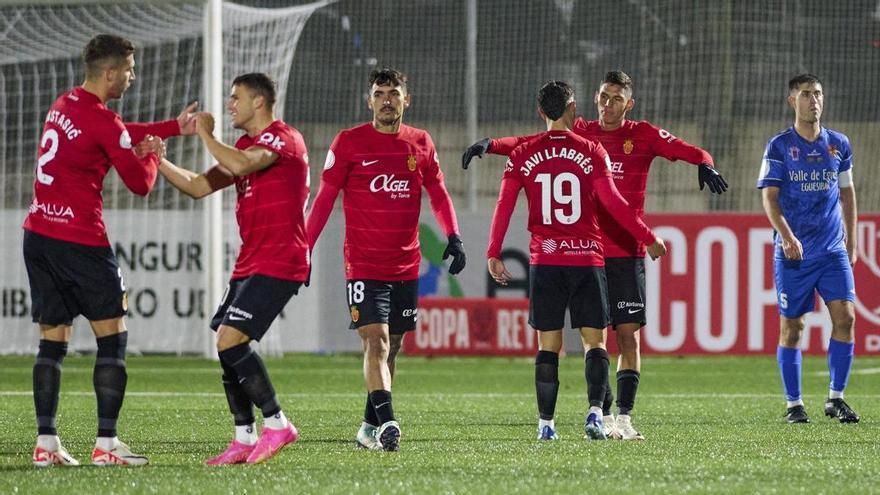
(554, 192)
(50, 137)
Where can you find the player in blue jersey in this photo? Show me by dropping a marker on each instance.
(807, 189)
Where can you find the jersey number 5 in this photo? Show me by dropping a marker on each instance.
(50, 137)
(555, 193)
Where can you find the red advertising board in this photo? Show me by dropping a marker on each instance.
(713, 293)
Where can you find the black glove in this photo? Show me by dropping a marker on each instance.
(708, 175)
(479, 149)
(455, 249)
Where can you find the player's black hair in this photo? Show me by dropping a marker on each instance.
(806, 78)
(619, 78)
(388, 76)
(553, 97)
(105, 49)
(260, 84)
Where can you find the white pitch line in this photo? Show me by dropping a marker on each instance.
(862, 371)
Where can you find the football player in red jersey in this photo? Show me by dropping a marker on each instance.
(566, 178)
(71, 267)
(382, 167)
(632, 146)
(269, 167)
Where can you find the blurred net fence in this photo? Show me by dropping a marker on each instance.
(713, 73)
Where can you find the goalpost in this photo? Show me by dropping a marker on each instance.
(176, 254)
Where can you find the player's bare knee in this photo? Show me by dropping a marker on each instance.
(229, 337)
(790, 332)
(56, 333)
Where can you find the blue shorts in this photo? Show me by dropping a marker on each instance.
(797, 281)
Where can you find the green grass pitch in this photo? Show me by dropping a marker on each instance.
(713, 424)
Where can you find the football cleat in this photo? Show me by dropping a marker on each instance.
(837, 408)
(610, 427)
(625, 430)
(594, 427)
(235, 453)
(389, 436)
(58, 457)
(366, 437)
(797, 414)
(271, 442)
(119, 455)
(547, 433)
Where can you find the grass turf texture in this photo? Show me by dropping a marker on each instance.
(712, 424)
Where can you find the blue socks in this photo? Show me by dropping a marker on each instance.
(840, 358)
(790, 368)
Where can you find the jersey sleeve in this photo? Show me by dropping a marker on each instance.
(139, 175)
(337, 164)
(164, 129)
(441, 202)
(511, 183)
(664, 144)
(505, 145)
(846, 156)
(772, 170)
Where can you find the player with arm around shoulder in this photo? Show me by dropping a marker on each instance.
(808, 194)
(382, 166)
(632, 147)
(269, 168)
(567, 180)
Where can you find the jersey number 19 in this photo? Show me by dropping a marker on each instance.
(553, 193)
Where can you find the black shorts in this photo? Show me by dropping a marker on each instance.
(580, 289)
(376, 301)
(251, 304)
(69, 279)
(626, 290)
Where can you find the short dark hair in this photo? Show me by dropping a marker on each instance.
(553, 98)
(806, 78)
(260, 84)
(389, 76)
(105, 48)
(619, 78)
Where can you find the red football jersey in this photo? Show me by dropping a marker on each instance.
(270, 208)
(567, 181)
(81, 140)
(381, 176)
(632, 148)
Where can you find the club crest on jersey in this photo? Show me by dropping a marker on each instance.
(411, 163)
(355, 314)
(795, 153)
(269, 139)
(833, 151)
(628, 146)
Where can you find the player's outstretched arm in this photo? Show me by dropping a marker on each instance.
(239, 162)
(791, 246)
(477, 149)
(707, 175)
(183, 125)
(500, 146)
(195, 185)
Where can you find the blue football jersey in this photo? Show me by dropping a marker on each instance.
(809, 195)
